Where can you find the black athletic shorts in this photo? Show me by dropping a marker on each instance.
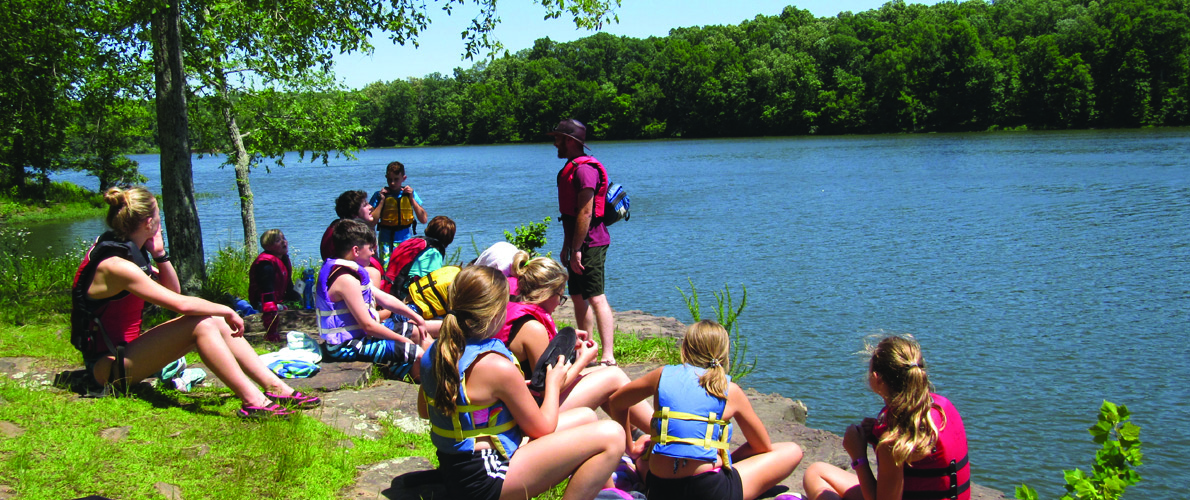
(478, 475)
(722, 485)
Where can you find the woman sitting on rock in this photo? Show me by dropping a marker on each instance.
(529, 329)
(480, 409)
(921, 446)
(116, 278)
(686, 454)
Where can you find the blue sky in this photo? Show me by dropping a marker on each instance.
(441, 46)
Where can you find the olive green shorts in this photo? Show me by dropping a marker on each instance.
(590, 283)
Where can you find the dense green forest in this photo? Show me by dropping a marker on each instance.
(1040, 64)
(972, 66)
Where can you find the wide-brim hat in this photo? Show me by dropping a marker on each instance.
(573, 129)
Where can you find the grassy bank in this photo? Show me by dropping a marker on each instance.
(61, 446)
(64, 201)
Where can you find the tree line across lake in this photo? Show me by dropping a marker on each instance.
(971, 66)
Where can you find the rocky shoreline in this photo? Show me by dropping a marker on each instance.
(357, 411)
(358, 407)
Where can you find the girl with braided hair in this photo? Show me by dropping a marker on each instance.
(921, 446)
(678, 459)
(479, 408)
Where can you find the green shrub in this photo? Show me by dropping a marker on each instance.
(726, 314)
(227, 274)
(529, 237)
(1113, 468)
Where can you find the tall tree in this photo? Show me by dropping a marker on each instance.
(297, 37)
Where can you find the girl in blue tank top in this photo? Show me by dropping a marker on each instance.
(679, 459)
(479, 408)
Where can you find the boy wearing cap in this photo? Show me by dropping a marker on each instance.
(582, 187)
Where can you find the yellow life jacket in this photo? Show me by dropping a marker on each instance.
(428, 293)
(397, 211)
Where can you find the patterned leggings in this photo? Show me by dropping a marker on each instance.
(395, 358)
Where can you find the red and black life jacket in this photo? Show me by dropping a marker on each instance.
(944, 473)
(105, 325)
(568, 197)
(282, 272)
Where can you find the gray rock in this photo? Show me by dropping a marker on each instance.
(169, 491)
(400, 478)
(357, 413)
(115, 434)
(10, 430)
(332, 377)
(14, 366)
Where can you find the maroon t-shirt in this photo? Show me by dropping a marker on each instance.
(586, 177)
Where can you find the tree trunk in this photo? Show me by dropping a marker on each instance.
(173, 126)
(243, 161)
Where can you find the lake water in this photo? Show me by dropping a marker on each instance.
(1042, 272)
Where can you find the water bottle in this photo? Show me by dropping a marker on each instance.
(308, 291)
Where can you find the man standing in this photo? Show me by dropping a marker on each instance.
(582, 188)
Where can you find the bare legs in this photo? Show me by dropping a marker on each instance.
(587, 454)
(597, 310)
(230, 358)
(827, 482)
(593, 389)
(759, 472)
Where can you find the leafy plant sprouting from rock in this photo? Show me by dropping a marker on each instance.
(726, 313)
(1114, 462)
(529, 237)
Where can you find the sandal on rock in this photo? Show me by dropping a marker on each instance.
(297, 400)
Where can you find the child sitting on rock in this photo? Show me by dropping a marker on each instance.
(920, 442)
(270, 281)
(346, 319)
(679, 460)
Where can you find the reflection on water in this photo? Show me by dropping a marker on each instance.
(1042, 272)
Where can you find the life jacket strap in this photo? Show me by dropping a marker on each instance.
(954, 467)
(721, 444)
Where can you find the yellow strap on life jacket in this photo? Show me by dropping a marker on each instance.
(663, 437)
(458, 434)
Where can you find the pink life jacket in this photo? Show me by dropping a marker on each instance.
(944, 473)
(568, 198)
(518, 310)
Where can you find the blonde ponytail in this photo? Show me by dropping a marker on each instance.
(478, 297)
(706, 346)
(911, 432)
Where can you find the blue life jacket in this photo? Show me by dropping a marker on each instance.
(690, 422)
(336, 325)
(456, 433)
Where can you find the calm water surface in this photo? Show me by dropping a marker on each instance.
(1042, 272)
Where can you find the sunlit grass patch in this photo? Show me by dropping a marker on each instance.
(193, 441)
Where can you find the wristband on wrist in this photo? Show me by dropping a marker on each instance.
(858, 462)
(162, 259)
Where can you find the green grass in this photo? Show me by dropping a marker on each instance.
(64, 201)
(188, 440)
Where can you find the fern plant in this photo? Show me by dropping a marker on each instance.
(726, 314)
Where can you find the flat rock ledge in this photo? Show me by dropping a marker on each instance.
(357, 405)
